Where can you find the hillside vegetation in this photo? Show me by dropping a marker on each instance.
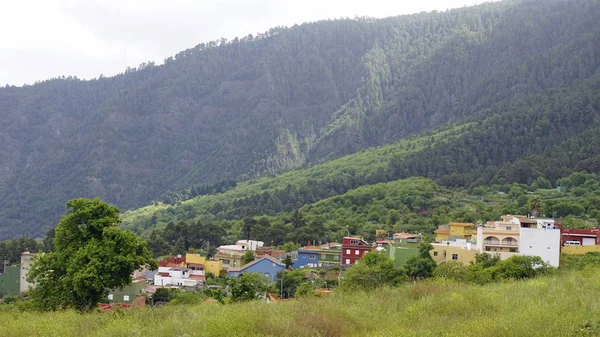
(546, 306)
(525, 71)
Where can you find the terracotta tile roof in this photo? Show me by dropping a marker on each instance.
(442, 231)
(403, 235)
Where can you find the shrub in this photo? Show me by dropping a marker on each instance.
(452, 270)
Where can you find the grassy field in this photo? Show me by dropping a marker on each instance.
(560, 305)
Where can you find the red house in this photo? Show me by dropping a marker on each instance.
(353, 249)
(587, 237)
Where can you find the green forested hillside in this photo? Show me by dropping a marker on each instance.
(522, 73)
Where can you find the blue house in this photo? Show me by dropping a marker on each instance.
(267, 266)
(307, 257)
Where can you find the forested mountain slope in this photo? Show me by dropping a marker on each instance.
(293, 96)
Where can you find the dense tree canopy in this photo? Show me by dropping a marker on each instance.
(522, 73)
(91, 256)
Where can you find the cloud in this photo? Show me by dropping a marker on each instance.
(50, 38)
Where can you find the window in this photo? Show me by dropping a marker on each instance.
(347, 261)
(312, 257)
(454, 256)
(323, 257)
(357, 252)
(508, 228)
(304, 256)
(336, 257)
(435, 253)
(126, 298)
(348, 251)
(110, 297)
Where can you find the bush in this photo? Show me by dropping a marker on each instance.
(452, 270)
(304, 290)
(187, 298)
(8, 299)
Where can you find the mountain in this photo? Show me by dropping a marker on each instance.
(523, 75)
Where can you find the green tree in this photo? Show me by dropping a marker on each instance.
(288, 282)
(422, 265)
(248, 257)
(249, 286)
(289, 246)
(304, 290)
(288, 261)
(534, 206)
(373, 271)
(163, 295)
(452, 270)
(91, 256)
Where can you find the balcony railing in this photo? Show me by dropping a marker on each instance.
(498, 243)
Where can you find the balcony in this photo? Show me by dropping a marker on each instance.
(500, 244)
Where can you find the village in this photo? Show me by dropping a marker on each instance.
(326, 263)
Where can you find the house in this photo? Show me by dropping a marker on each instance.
(498, 237)
(276, 253)
(173, 261)
(198, 262)
(542, 242)
(405, 236)
(454, 231)
(9, 280)
(353, 249)
(308, 257)
(315, 256)
(267, 266)
(459, 251)
(537, 237)
(131, 295)
(398, 252)
(586, 237)
(514, 235)
(178, 276)
(232, 255)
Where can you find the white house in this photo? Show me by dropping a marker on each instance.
(543, 242)
(182, 277)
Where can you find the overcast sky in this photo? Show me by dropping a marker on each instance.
(41, 39)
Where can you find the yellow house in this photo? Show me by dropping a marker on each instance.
(210, 266)
(442, 234)
(445, 253)
(455, 230)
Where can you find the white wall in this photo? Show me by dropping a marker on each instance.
(26, 262)
(544, 243)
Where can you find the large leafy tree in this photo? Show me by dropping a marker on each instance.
(422, 265)
(248, 257)
(250, 286)
(374, 270)
(91, 256)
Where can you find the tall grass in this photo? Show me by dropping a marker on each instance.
(560, 305)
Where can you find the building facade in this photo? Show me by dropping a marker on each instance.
(353, 249)
(267, 266)
(586, 237)
(232, 255)
(26, 262)
(455, 231)
(130, 295)
(198, 262)
(9, 280)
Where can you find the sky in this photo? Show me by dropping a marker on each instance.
(43, 39)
